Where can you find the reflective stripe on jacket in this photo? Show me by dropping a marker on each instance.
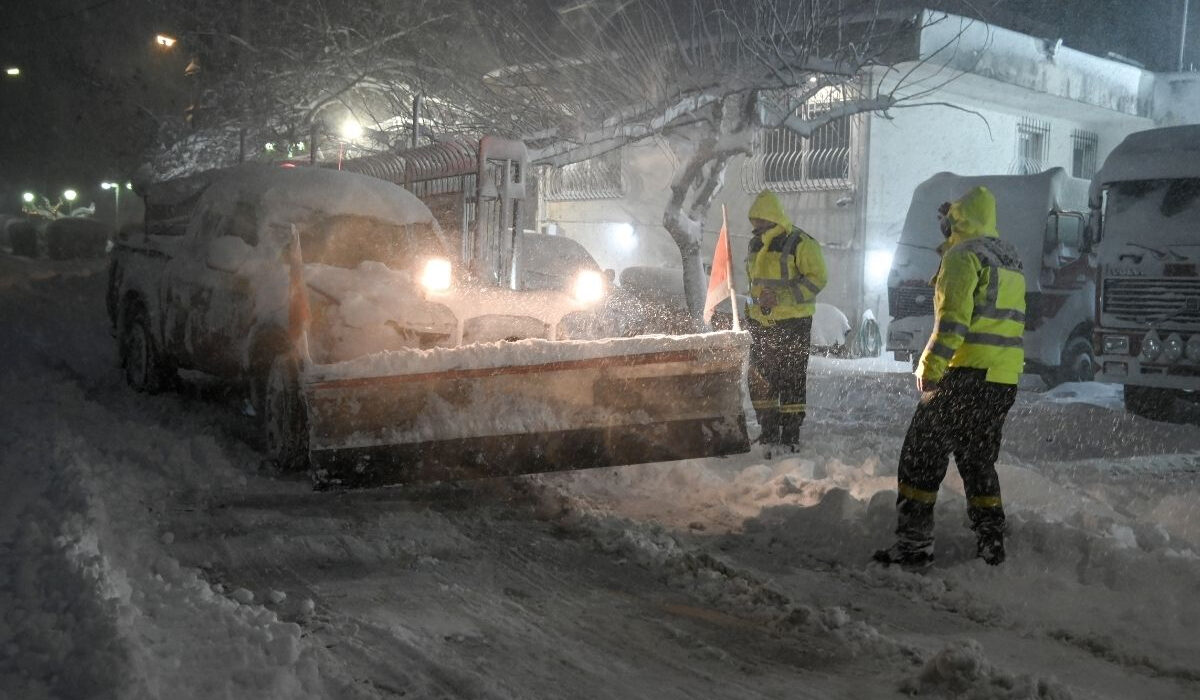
(784, 265)
(979, 297)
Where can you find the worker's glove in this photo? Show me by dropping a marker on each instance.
(925, 385)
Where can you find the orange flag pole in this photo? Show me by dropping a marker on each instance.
(733, 305)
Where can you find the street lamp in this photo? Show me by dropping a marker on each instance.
(12, 72)
(70, 195)
(116, 189)
(351, 129)
(164, 40)
(27, 198)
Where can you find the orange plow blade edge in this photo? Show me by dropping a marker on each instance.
(519, 408)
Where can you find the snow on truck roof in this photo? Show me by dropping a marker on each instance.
(283, 191)
(1155, 154)
(1022, 203)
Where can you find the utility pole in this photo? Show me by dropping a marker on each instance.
(1183, 34)
(416, 121)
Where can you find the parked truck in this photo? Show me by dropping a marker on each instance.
(1145, 204)
(375, 347)
(1043, 216)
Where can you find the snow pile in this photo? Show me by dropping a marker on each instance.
(961, 671)
(92, 604)
(57, 635)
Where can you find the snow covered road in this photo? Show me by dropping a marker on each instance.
(146, 554)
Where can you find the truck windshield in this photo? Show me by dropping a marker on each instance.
(1153, 210)
(348, 241)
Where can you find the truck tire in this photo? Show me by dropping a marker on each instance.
(1078, 363)
(143, 364)
(285, 419)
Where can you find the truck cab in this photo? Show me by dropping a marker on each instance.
(1043, 217)
(1145, 204)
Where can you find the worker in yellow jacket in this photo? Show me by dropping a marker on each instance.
(967, 377)
(786, 271)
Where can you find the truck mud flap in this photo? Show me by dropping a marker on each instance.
(685, 401)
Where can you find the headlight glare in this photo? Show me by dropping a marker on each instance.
(437, 275)
(589, 287)
(1151, 346)
(1172, 348)
(1192, 348)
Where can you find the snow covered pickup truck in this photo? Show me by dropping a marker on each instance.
(371, 356)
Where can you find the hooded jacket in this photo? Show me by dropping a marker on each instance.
(978, 299)
(784, 265)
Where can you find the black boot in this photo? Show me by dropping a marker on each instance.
(990, 548)
(906, 556)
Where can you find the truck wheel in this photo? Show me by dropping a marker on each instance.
(1078, 362)
(285, 420)
(145, 368)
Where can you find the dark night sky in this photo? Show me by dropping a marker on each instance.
(92, 78)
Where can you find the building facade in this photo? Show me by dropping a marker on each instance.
(975, 100)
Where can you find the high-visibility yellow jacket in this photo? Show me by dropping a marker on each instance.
(978, 298)
(785, 266)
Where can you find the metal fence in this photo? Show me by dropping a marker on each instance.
(784, 161)
(1085, 144)
(1033, 147)
(596, 178)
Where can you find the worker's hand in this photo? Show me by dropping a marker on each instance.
(767, 300)
(924, 385)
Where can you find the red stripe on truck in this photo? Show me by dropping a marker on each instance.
(589, 363)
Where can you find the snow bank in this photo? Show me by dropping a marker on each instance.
(92, 604)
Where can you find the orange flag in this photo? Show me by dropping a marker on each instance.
(720, 280)
(299, 314)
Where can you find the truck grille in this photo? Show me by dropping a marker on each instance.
(1152, 300)
(910, 300)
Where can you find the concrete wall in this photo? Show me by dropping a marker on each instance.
(1177, 99)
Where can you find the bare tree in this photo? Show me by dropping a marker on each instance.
(699, 75)
(285, 73)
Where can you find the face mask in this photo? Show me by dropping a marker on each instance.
(944, 219)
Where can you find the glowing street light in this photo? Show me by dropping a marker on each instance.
(27, 198)
(351, 129)
(12, 71)
(70, 195)
(164, 40)
(116, 188)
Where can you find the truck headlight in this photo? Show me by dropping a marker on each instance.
(1192, 348)
(437, 275)
(1118, 345)
(1172, 348)
(589, 287)
(1151, 346)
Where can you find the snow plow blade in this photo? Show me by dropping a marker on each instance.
(501, 409)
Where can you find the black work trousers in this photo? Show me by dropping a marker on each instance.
(779, 354)
(963, 416)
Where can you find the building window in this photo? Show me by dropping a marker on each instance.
(782, 160)
(1033, 146)
(596, 178)
(1083, 158)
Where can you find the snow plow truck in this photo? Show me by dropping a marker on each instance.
(377, 347)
